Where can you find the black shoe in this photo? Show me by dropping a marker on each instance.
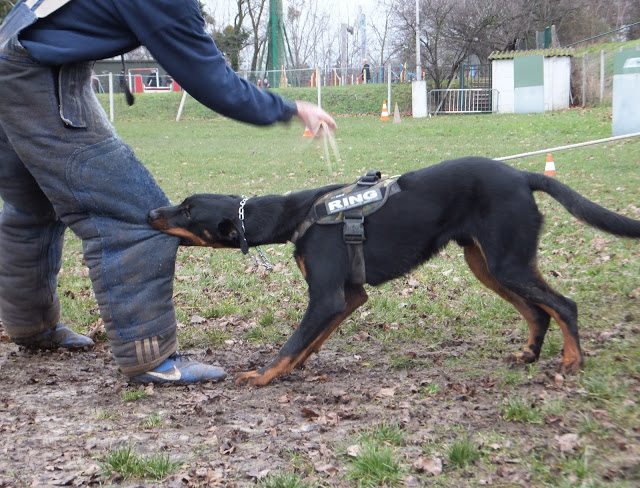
(61, 336)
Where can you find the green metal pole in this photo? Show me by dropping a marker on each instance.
(275, 51)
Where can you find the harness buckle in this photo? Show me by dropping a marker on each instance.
(353, 230)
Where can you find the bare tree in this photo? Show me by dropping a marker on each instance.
(439, 53)
(256, 9)
(450, 31)
(233, 38)
(307, 23)
(576, 21)
(566, 15)
(386, 10)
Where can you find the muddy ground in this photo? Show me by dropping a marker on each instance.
(60, 413)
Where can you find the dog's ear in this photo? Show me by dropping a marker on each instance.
(233, 232)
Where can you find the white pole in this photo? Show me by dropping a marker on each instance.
(602, 76)
(110, 96)
(389, 86)
(584, 80)
(318, 82)
(418, 86)
(182, 100)
(418, 64)
(570, 146)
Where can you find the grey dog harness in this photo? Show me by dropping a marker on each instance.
(350, 205)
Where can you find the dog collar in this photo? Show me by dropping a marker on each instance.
(265, 262)
(243, 202)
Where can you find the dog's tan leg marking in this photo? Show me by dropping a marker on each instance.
(303, 269)
(572, 359)
(477, 262)
(255, 378)
(354, 298)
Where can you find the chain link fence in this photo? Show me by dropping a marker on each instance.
(592, 78)
(152, 80)
(286, 77)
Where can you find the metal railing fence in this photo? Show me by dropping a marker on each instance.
(462, 101)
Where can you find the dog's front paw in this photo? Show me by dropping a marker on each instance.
(251, 378)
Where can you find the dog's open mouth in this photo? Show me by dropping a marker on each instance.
(186, 238)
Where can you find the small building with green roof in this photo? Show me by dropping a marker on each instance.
(532, 81)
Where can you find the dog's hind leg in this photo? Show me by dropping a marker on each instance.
(537, 319)
(516, 270)
(323, 316)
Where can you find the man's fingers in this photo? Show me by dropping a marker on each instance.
(312, 116)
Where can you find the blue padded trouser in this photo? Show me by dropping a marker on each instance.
(61, 165)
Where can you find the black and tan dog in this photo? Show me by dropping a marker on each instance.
(485, 206)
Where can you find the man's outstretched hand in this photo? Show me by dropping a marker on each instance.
(313, 116)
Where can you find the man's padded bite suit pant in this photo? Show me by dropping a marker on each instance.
(62, 165)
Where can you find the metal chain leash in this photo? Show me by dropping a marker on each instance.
(263, 261)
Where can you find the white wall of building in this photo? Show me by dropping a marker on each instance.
(502, 80)
(557, 83)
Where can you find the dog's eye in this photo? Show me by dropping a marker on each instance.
(186, 213)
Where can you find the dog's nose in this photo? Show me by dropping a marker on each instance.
(157, 220)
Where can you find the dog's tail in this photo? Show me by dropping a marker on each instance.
(583, 208)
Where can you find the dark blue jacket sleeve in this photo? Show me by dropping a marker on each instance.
(173, 31)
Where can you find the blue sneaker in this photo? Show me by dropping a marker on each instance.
(178, 369)
(60, 336)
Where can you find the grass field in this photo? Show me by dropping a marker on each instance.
(223, 156)
(440, 304)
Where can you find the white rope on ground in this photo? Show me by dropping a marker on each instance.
(570, 146)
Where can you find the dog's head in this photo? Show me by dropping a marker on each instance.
(203, 220)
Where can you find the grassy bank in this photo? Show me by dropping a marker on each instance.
(343, 100)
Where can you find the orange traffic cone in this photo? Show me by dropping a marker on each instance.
(385, 113)
(307, 132)
(550, 167)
